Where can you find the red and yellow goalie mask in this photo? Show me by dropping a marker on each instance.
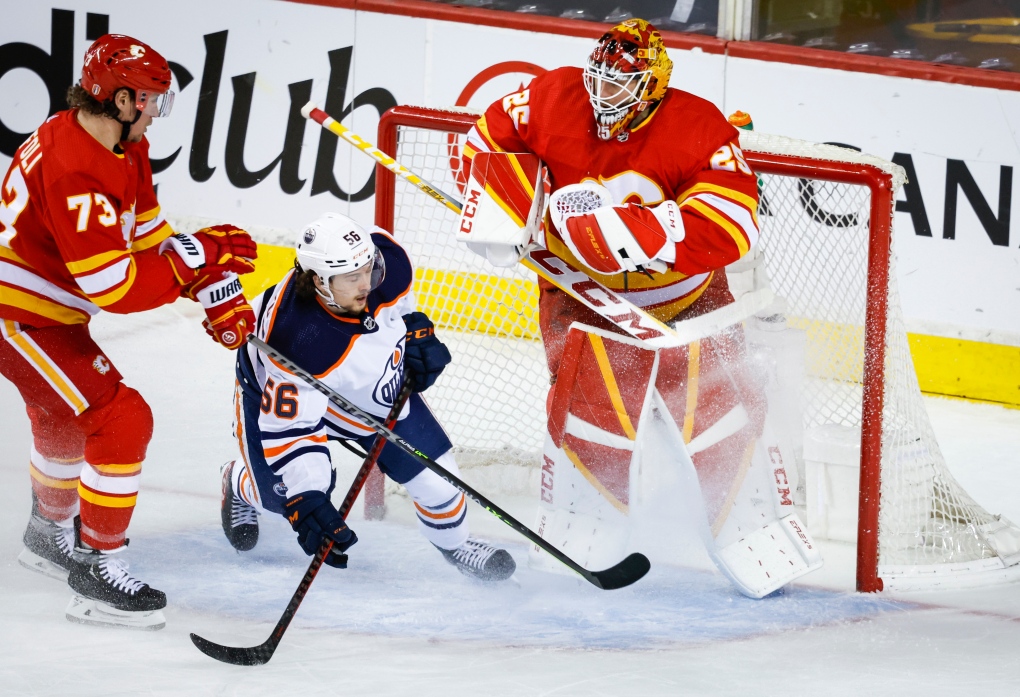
(626, 73)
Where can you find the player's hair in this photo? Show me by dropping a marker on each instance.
(79, 98)
(304, 284)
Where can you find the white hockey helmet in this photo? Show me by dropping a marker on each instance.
(334, 244)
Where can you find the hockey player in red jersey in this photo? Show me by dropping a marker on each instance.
(81, 231)
(651, 195)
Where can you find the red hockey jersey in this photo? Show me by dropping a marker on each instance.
(686, 151)
(80, 229)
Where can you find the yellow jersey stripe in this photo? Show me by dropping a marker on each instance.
(8, 253)
(98, 499)
(153, 238)
(53, 375)
(737, 196)
(86, 265)
(120, 291)
(44, 308)
(147, 215)
(483, 129)
(738, 236)
(50, 482)
(128, 470)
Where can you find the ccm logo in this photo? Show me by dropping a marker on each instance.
(469, 210)
(547, 480)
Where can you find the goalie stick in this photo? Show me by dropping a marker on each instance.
(257, 655)
(571, 280)
(622, 574)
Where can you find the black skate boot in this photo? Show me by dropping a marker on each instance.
(48, 545)
(240, 521)
(481, 560)
(105, 593)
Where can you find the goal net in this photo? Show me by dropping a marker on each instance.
(825, 249)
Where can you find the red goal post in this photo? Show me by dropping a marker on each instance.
(813, 197)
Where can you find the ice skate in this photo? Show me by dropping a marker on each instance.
(106, 594)
(48, 545)
(240, 521)
(481, 560)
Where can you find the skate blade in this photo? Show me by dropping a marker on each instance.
(31, 560)
(87, 611)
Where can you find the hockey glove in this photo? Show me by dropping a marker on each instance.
(221, 245)
(228, 316)
(425, 356)
(613, 239)
(313, 518)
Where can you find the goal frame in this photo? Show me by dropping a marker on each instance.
(881, 186)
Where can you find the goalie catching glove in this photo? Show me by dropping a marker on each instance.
(425, 356)
(313, 518)
(611, 239)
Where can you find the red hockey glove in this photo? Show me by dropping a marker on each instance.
(229, 317)
(220, 245)
(612, 239)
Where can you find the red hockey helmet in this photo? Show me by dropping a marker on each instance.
(115, 61)
(626, 73)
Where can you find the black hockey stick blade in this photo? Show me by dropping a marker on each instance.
(631, 569)
(238, 656)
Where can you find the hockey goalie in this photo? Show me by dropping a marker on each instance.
(651, 198)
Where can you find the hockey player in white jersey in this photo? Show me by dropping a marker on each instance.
(347, 315)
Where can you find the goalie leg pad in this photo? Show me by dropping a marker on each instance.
(575, 517)
(595, 408)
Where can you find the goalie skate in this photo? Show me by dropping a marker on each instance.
(48, 546)
(481, 560)
(240, 520)
(106, 594)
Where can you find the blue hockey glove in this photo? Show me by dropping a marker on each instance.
(313, 518)
(425, 356)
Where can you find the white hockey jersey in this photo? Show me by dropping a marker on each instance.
(362, 358)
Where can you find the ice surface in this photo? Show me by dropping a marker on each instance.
(402, 621)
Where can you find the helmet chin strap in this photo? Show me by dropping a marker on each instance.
(125, 126)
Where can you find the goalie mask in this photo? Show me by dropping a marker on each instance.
(335, 245)
(626, 74)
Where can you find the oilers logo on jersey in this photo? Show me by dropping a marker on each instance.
(385, 392)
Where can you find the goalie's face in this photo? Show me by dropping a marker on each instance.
(350, 290)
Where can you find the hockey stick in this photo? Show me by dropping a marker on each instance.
(571, 280)
(622, 574)
(257, 655)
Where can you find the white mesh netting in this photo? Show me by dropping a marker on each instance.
(814, 248)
